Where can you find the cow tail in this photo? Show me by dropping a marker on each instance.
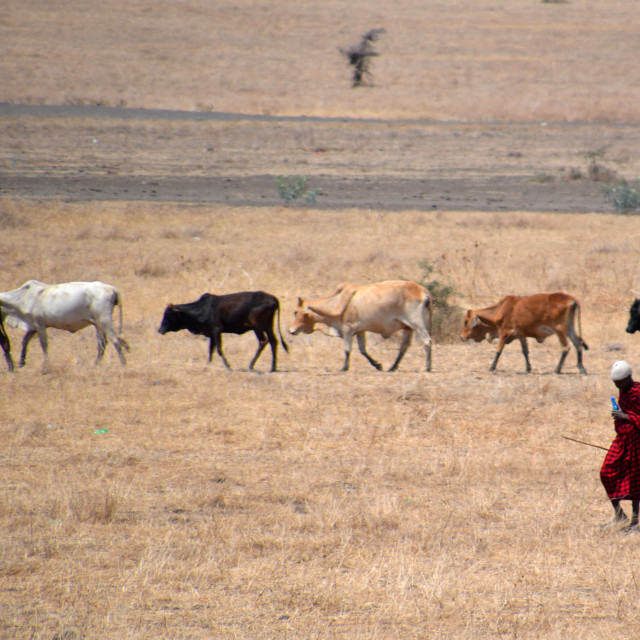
(585, 346)
(428, 305)
(119, 304)
(284, 344)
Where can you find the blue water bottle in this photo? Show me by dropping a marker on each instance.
(615, 404)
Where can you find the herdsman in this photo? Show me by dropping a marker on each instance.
(620, 472)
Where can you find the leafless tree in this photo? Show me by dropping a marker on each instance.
(360, 55)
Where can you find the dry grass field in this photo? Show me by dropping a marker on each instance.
(309, 502)
(454, 60)
(173, 499)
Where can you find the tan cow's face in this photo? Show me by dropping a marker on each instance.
(303, 320)
(474, 328)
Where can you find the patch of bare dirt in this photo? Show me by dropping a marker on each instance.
(98, 153)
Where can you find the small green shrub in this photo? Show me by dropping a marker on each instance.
(596, 169)
(293, 187)
(625, 196)
(542, 178)
(447, 316)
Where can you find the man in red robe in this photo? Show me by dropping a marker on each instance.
(620, 472)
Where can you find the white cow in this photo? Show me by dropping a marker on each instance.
(70, 306)
(383, 307)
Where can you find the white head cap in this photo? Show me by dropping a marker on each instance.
(620, 370)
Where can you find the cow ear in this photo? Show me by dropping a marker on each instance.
(300, 302)
(474, 323)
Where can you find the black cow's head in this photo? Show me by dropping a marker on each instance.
(634, 317)
(171, 320)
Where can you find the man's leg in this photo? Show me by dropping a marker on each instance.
(620, 516)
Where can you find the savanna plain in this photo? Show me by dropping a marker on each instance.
(174, 499)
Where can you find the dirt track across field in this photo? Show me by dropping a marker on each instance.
(84, 153)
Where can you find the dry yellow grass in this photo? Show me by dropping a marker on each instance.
(461, 60)
(310, 503)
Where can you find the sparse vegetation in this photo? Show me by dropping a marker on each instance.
(294, 187)
(447, 316)
(542, 178)
(596, 169)
(625, 196)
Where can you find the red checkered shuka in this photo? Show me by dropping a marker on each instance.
(620, 472)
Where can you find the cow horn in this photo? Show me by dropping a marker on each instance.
(300, 302)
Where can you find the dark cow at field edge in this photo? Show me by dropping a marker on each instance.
(634, 317)
(213, 315)
(70, 306)
(383, 307)
(5, 344)
(520, 317)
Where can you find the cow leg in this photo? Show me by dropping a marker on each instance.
(565, 351)
(262, 343)
(273, 343)
(44, 343)
(362, 346)
(494, 364)
(578, 344)
(101, 337)
(25, 343)
(423, 335)
(217, 340)
(563, 356)
(581, 368)
(525, 353)
(9, 359)
(348, 340)
(6, 347)
(407, 334)
(119, 345)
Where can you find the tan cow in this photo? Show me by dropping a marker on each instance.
(383, 307)
(520, 317)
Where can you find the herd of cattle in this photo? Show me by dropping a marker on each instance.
(351, 310)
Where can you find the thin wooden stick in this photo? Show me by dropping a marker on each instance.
(597, 446)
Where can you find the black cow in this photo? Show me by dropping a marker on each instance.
(212, 315)
(634, 317)
(5, 344)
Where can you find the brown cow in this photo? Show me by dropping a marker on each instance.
(521, 317)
